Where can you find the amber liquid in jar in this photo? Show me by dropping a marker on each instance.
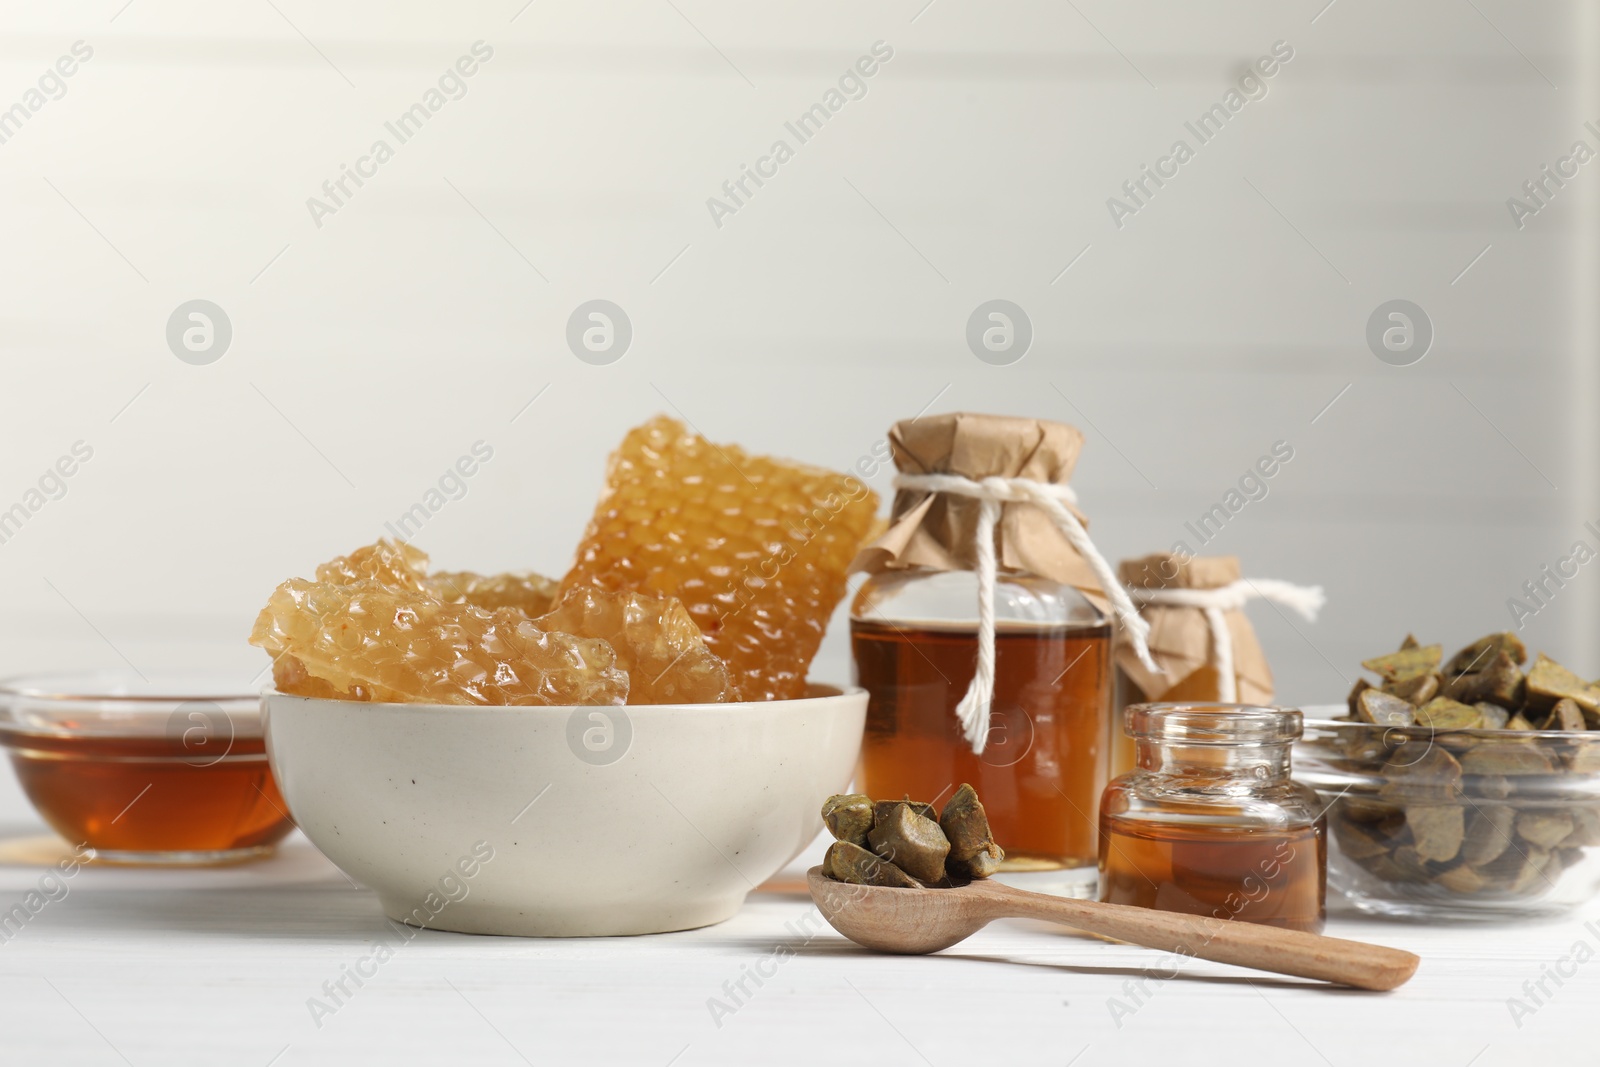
(1046, 759)
(151, 794)
(1268, 876)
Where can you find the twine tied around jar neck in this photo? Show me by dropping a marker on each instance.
(1304, 600)
(991, 493)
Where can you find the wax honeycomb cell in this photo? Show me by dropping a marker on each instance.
(655, 640)
(289, 675)
(391, 563)
(755, 548)
(399, 644)
(532, 594)
(403, 566)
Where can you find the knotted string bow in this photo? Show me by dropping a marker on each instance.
(991, 493)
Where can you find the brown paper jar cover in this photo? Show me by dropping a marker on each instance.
(1180, 637)
(936, 531)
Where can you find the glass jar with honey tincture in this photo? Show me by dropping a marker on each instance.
(1210, 823)
(997, 677)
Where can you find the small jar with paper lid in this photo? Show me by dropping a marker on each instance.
(1199, 635)
(983, 637)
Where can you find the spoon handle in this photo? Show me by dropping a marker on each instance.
(1265, 948)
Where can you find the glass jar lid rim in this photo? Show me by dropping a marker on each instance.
(1213, 723)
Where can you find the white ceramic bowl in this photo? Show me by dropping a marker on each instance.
(562, 822)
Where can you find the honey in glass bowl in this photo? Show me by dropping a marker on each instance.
(168, 771)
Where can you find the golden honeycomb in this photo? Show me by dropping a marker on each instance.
(532, 594)
(391, 563)
(402, 566)
(655, 640)
(397, 644)
(757, 549)
(289, 675)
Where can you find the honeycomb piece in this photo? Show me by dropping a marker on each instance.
(398, 644)
(289, 675)
(399, 565)
(656, 642)
(755, 548)
(530, 593)
(392, 563)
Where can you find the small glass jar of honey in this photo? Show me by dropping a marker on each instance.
(1210, 822)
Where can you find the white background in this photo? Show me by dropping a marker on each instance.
(368, 354)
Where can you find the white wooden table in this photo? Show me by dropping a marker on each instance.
(213, 967)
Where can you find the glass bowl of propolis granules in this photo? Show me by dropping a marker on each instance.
(1466, 788)
(626, 749)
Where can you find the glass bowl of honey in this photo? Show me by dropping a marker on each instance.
(169, 771)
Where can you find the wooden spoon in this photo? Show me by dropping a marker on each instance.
(915, 921)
